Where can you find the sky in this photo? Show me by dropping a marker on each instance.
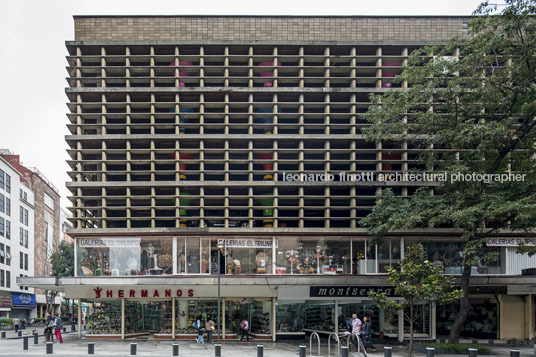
(32, 58)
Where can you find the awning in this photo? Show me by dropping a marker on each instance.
(44, 283)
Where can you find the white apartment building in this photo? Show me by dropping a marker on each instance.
(16, 243)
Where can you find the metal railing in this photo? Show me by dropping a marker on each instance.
(336, 337)
(311, 343)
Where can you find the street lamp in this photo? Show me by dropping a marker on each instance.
(221, 246)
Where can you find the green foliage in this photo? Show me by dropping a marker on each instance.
(470, 108)
(6, 321)
(62, 260)
(418, 282)
(457, 347)
(39, 320)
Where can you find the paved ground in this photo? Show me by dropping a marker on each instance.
(73, 347)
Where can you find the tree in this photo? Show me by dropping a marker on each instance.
(62, 262)
(468, 107)
(418, 282)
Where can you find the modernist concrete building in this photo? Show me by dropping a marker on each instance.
(193, 133)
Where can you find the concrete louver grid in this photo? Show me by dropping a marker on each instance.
(178, 135)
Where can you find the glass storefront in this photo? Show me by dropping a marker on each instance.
(104, 318)
(119, 256)
(482, 321)
(290, 317)
(123, 256)
(258, 311)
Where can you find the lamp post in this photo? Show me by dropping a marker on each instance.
(220, 249)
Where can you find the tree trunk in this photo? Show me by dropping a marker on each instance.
(456, 328)
(410, 352)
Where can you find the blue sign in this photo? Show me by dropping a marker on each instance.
(23, 300)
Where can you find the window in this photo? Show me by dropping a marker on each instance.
(49, 202)
(23, 195)
(25, 238)
(21, 236)
(24, 216)
(8, 279)
(21, 260)
(2, 283)
(8, 206)
(21, 287)
(1, 227)
(25, 261)
(8, 255)
(1, 179)
(2, 207)
(8, 183)
(8, 230)
(2, 254)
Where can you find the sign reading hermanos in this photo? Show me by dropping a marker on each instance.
(349, 291)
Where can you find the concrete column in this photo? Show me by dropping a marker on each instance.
(173, 300)
(122, 319)
(80, 318)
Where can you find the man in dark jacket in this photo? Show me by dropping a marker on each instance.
(365, 333)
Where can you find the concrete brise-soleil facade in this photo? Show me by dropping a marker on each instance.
(192, 132)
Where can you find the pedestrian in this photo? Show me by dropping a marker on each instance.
(349, 323)
(16, 322)
(365, 333)
(58, 325)
(244, 326)
(209, 326)
(199, 326)
(49, 325)
(356, 328)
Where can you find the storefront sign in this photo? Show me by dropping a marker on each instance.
(125, 242)
(493, 290)
(6, 301)
(23, 300)
(349, 291)
(246, 243)
(152, 293)
(510, 242)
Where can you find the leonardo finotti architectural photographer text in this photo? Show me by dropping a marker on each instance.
(403, 177)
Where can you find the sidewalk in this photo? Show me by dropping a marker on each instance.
(73, 347)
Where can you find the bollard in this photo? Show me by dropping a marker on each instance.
(217, 350)
(19, 333)
(3, 334)
(50, 346)
(25, 342)
(344, 350)
(387, 351)
(36, 338)
(91, 348)
(260, 350)
(430, 352)
(302, 351)
(175, 349)
(514, 353)
(133, 347)
(472, 352)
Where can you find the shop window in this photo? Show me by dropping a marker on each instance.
(248, 256)
(376, 258)
(382, 322)
(449, 256)
(104, 318)
(124, 256)
(257, 311)
(188, 311)
(481, 321)
(319, 317)
(290, 317)
(313, 256)
(144, 317)
(193, 255)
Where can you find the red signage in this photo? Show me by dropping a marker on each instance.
(6, 301)
(101, 293)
